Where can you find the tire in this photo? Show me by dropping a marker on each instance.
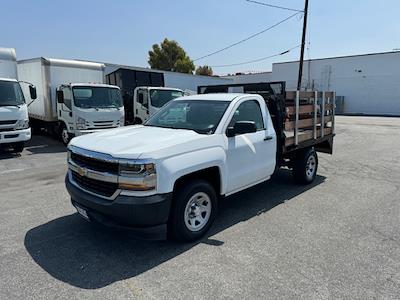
(138, 121)
(63, 134)
(18, 147)
(193, 211)
(305, 166)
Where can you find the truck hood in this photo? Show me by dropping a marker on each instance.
(137, 141)
(13, 113)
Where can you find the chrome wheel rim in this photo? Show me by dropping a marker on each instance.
(197, 211)
(65, 136)
(311, 166)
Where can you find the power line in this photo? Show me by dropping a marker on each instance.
(249, 37)
(256, 60)
(275, 6)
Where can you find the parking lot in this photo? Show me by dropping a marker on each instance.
(338, 238)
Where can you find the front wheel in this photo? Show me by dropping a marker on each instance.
(193, 211)
(65, 137)
(305, 166)
(18, 147)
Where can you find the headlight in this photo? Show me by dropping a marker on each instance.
(137, 176)
(80, 123)
(22, 124)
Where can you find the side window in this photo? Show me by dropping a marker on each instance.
(142, 94)
(67, 97)
(249, 111)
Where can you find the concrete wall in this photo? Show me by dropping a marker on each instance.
(251, 78)
(370, 84)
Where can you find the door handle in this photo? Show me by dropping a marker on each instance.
(268, 138)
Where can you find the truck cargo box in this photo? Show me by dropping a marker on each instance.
(48, 73)
(8, 63)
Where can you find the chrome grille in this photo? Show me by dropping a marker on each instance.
(8, 122)
(103, 188)
(94, 163)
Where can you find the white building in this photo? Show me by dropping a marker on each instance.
(368, 84)
(250, 78)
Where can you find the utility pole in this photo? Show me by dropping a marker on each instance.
(303, 43)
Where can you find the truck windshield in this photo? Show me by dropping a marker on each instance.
(11, 94)
(159, 98)
(97, 97)
(202, 116)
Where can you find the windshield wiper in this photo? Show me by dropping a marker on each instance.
(171, 127)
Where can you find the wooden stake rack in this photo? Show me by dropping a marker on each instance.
(310, 116)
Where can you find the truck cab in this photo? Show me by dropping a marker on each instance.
(148, 100)
(84, 108)
(14, 122)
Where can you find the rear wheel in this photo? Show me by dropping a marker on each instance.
(193, 211)
(305, 166)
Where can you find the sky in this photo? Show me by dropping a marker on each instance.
(123, 31)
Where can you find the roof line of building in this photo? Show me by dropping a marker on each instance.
(336, 57)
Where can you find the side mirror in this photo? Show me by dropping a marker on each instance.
(140, 98)
(241, 127)
(32, 91)
(60, 96)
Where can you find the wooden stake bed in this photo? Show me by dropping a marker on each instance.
(309, 118)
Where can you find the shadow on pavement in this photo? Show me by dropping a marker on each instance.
(90, 257)
(7, 154)
(40, 144)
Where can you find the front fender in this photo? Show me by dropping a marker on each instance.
(173, 168)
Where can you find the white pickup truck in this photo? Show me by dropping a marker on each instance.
(164, 178)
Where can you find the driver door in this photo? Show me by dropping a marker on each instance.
(142, 105)
(250, 156)
(65, 109)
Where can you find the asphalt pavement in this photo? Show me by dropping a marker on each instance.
(337, 238)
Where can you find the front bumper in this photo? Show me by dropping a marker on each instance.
(145, 217)
(15, 136)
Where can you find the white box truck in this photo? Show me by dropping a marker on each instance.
(72, 98)
(14, 123)
(147, 100)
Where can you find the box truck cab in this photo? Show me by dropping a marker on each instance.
(14, 124)
(148, 100)
(72, 99)
(85, 108)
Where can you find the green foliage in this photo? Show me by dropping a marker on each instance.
(169, 56)
(204, 70)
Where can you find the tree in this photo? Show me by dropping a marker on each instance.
(169, 56)
(204, 70)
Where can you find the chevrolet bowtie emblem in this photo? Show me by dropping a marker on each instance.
(82, 171)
